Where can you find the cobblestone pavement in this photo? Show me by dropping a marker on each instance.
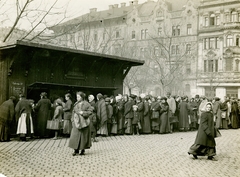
(115, 156)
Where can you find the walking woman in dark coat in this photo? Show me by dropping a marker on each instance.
(80, 139)
(204, 144)
(6, 118)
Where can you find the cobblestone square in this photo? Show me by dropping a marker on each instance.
(117, 156)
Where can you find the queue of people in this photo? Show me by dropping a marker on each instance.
(118, 115)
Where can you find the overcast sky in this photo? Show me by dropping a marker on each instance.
(74, 8)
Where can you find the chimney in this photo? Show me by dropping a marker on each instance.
(115, 5)
(135, 2)
(110, 6)
(123, 4)
(93, 10)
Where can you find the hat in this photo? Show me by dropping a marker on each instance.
(43, 94)
(133, 96)
(142, 95)
(107, 99)
(163, 98)
(196, 96)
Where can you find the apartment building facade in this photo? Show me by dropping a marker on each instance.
(189, 47)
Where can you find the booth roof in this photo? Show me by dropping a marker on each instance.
(133, 62)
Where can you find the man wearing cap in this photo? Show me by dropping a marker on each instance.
(43, 109)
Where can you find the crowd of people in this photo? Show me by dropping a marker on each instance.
(115, 115)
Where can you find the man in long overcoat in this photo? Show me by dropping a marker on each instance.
(101, 115)
(6, 118)
(43, 109)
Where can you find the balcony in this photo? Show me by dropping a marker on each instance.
(219, 77)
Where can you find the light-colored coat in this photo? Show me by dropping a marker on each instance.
(81, 138)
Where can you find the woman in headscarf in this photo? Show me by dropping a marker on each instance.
(204, 144)
(164, 120)
(80, 139)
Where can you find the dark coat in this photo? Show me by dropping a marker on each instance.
(43, 109)
(67, 108)
(6, 118)
(205, 134)
(7, 112)
(184, 109)
(146, 126)
(128, 112)
(101, 111)
(81, 139)
(119, 114)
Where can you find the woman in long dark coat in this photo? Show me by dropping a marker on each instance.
(204, 144)
(6, 118)
(146, 127)
(43, 109)
(184, 109)
(67, 109)
(119, 115)
(155, 115)
(80, 139)
(164, 119)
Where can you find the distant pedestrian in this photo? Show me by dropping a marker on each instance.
(204, 144)
(109, 109)
(43, 109)
(93, 118)
(80, 139)
(6, 118)
(120, 115)
(184, 110)
(164, 119)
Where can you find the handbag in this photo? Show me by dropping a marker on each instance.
(81, 122)
(54, 124)
(155, 115)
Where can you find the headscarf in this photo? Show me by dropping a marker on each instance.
(204, 108)
(90, 98)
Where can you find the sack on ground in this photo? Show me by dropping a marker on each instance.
(81, 122)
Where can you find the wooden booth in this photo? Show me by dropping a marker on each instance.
(32, 68)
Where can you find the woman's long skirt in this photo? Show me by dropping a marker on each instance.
(201, 150)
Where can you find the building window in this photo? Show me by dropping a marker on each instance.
(146, 33)
(178, 31)
(229, 40)
(212, 43)
(159, 31)
(205, 21)
(234, 16)
(189, 29)
(177, 49)
(212, 20)
(173, 31)
(210, 65)
(227, 17)
(173, 50)
(237, 64)
(229, 64)
(237, 41)
(133, 35)
(217, 20)
(188, 48)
